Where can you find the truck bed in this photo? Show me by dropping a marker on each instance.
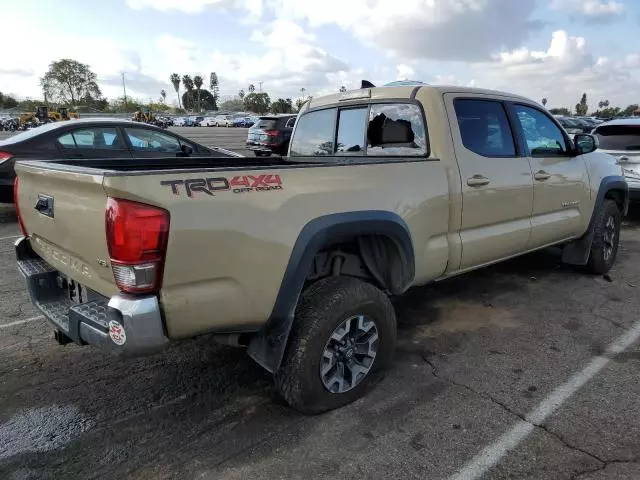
(169, 163)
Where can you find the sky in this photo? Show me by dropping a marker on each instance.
(556, 49)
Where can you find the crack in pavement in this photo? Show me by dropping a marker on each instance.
(602, 462)
(603, 466)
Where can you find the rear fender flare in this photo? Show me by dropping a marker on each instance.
(268, 346)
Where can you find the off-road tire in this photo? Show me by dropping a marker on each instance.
(321, 309)
(597, 262)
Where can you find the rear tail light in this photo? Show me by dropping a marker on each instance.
(4, 156)
(137, 237)
(273, 135)
(16, 184)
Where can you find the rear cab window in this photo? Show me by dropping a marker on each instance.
(375, 130)
(92, 138)
(619, 137)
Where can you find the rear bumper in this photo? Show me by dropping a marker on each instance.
(121, 324)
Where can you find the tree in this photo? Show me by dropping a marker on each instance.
(252, 88)
(198, 81)
(241, 94)
(544, 102)
(582, 108)
(188, 85)
(119, 106)
(163, 95)
(302, 90)
(628, 112)
(603, 104)
(175, 81)
(214, 85)
(257, 102)
(282, 106)
(7, 101)
(234, 105)
(67, 81)
(207, 100)
(560, 111)
(300, 102)
(343, 89)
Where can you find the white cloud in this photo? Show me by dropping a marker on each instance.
(406, 29)
(561, 73)
(405, 72)
(592, 10)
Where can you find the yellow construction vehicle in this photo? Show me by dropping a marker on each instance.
(44, 115)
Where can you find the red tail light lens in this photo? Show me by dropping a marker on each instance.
(137, 237)
(16, 184)
(4, 156)
(273, 137)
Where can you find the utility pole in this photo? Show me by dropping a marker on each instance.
(124, 88)
(260, 86)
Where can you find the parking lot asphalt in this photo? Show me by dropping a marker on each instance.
(528, 369)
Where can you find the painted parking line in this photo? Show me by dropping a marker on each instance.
(493, 453)
(13, 237)
(20, 322)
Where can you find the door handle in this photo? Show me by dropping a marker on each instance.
(541, 176)
(477, 181)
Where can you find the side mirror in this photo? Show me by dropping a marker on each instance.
(586, 143)
(186, 150)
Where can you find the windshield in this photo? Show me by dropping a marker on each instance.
(266, 123)
(619, 137)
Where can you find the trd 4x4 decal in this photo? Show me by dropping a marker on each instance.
(237, 184)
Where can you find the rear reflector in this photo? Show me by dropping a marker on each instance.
(16, 184)
(137, 237)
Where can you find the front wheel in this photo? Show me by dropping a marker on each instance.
(606, 237)
(343, 333)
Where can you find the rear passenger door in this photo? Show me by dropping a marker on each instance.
(497, 183)
(561, 194)
(93, 142)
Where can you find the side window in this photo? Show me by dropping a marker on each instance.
(396, 130)
(99, 138)
(67, 140)
(142, 139)
(314, 134)
(484, 128)
(352, 124)
(543, 136)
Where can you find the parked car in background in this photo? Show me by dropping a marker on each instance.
(573, 126)
(271, 134)
(208, 122)
(621, 138)
(243, 122)
(197, 121)
(224, 121)
(93, 138)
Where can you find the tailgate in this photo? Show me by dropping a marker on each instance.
(64, 216)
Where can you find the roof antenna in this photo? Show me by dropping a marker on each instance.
(367, 84)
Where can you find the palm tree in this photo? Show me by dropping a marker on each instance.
(163, 94)
(544, 102)
(198, 81)
(241, 94)
(343, 89)
(188, 84)
(302, 90)
(175, 81)
(252, 88)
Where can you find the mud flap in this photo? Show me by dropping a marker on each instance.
(577, 252)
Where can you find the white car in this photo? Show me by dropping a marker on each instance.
(224, 121)
(208, 122)
(179, 122)
(621, 138)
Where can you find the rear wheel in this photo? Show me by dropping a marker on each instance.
(606, 237)
(344, 332)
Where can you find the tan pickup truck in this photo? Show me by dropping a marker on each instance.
(383, 189)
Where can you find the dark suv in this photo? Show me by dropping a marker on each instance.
(271, 134)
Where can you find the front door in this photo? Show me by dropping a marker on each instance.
(561, 195)
(93, 142)
(497, 186)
